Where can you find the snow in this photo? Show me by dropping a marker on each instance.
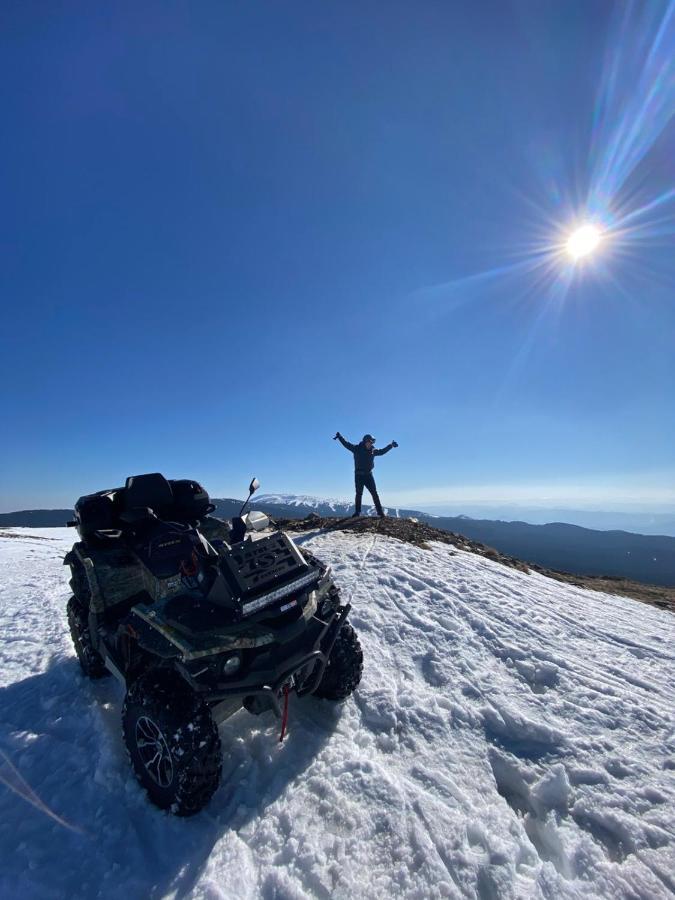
(338, 505)
(323, 504)
(512, 737)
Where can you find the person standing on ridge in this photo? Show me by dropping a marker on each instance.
(364, 460)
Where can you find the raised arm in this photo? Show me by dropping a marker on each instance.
(345, 443)
(385, 449)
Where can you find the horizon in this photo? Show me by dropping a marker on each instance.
(636, 520)
(234, 230)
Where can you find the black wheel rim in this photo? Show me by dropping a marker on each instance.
(154, 752)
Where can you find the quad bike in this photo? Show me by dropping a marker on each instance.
(198, 617)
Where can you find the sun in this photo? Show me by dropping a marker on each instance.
(583, 241)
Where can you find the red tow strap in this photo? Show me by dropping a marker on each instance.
(284, 718)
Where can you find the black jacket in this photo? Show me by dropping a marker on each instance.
(363, 457)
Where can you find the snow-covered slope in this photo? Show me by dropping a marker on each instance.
(511, 737)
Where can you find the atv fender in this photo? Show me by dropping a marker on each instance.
(149, 638)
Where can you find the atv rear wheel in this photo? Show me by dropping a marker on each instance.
(90, 660)
(345, 666)
(172, 742)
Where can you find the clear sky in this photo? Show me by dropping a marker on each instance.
(230, 229)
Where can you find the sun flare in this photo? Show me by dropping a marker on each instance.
(583, 241)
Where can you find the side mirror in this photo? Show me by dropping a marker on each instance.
(253, 486)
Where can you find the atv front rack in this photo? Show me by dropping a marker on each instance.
(299, 584)
(252, 567)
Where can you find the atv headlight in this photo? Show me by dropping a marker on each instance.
(230, 665)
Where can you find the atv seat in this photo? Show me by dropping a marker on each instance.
(136, 508)
(151, 491)
(167, 547)
(182, 500)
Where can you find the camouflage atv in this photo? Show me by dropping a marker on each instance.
(199, 617)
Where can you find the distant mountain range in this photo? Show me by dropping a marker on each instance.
(567, 548)
(36, 518)
(660, 523)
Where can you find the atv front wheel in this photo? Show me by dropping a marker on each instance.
(173, 743)
(90, 660)
(345, 666)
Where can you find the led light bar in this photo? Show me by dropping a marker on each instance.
(266, 599)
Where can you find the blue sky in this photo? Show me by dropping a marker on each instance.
(230, 229)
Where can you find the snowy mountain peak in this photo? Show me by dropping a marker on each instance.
(324, 506)
(303, 500)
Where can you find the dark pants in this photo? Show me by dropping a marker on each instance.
(365, 479)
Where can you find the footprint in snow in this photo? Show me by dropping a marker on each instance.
(432, 671)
